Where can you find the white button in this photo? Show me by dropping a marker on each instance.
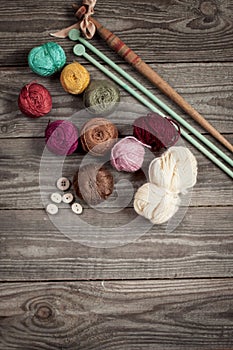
(63, 184)
(52, 209)
(77, 208)
(67, 198)
(56, 198)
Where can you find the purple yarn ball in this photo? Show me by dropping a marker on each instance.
(61, 137)
(128, 154)
(156, 131)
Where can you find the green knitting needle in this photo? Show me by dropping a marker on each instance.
(79, 50)
(75, 35)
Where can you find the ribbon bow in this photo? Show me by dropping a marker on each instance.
(84, 13)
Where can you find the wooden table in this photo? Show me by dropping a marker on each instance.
(164, 290)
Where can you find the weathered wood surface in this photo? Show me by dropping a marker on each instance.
(20, 171)
(207, 87)
(201, 246)
(133, 315)
(166, 289)
(171, 30)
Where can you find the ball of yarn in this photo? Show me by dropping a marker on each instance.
(169, 175)
(156, 131)
(74, 78)
(61, 137)
(127, 155)
(155, 203)
(34, 100)
(101, 96)
(98, 136)
(93, 184)
(47, 59)
(175, 170)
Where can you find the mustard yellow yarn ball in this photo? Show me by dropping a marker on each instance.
(74, 78)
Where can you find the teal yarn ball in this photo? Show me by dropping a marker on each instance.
(47, 59)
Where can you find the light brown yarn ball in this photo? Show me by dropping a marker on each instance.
(98, 136)
(93, 184)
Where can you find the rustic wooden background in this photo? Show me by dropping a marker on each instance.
(165, 290)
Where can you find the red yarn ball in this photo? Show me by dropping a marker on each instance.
(61, 137)
(156, 131)
(34, 100)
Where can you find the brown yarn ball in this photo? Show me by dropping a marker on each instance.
(93, 184)
(98, 136)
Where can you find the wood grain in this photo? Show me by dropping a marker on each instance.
(164, 289)
(32, 248)
(20, 171)
(117, 315)
(162, 31)
(207, 87)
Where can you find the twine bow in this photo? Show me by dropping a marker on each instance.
(84, 13)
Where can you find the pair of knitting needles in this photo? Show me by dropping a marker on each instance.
(79, 50)
(116, 44)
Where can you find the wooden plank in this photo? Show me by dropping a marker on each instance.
(117, 315)
(192, 311)
(20, 171)
(207, 87)
(32, 248)
(162, 31)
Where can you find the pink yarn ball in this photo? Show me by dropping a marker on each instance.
(127, 154)
(61, 137)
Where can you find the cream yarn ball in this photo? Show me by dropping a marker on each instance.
(175, 170)
(155, 203)
(173, 173)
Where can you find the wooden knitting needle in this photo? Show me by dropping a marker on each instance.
(131, 57)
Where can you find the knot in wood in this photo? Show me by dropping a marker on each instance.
(208, 8)
(44, 313)
(4, 128)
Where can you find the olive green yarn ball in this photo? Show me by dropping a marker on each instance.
(100, 97)
(47, 59)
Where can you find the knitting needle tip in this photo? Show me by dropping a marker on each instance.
(57, 35)
(61, 34)
(79, 50)
(74, 34)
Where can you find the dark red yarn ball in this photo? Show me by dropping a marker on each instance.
(156, 131)
(34, 100)
(61, 137)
